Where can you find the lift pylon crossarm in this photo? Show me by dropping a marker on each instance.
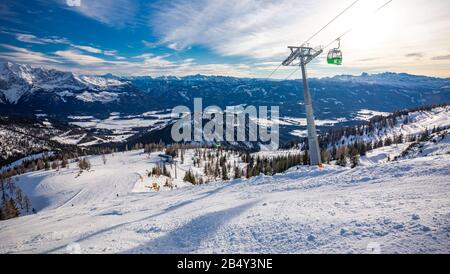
(291, 58)
(305, 54)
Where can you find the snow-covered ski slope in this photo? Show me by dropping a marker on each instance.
(394, 207)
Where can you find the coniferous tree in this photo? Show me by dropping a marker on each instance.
(237, 173)
(40, 164)
(55, 164)
(2, 186)
(342, 160)
(19, 198)
(84, 164)
(369, 146)
(388, 141)
(224, 173)
(354, 157)
(362, 147)
(64, 162)
(247, 171)
(305, 158)
(46, 165)
(205, 169)
(189, 177)
(216, 170)
(27, 203)
(325, 155)
(424, 136)
(10, 186)
(9, 209)
(333, 152)
(33, 166)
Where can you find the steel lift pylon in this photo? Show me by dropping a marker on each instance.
(305, 55)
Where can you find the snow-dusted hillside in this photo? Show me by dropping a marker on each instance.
(21, 137)
(411, 125)
(397, 207)
(439, 143)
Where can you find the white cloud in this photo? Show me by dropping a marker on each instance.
(22, 55)
(117, 13)
(32, 39)
(259, 29)
(79, 58)
(28, 38)
(110, 52)
(88, 49)
(144, 56)
(149, 44)
(144, 64)
(94, 50)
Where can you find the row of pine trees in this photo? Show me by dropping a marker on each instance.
(13, 201)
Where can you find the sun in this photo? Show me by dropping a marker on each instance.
(368, 29)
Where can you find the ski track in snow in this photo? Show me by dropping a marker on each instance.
(401, 206)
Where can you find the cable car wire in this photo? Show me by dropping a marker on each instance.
(315, 34)
(292, 73)
(342, 35)
(329, 23)
(350, 29)
(274, 71)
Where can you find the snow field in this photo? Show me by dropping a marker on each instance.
(403, 207)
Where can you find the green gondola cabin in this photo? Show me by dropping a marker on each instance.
(334, 57)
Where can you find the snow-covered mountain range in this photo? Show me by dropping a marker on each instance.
(19, 81)
(338, 101)
(27, 89)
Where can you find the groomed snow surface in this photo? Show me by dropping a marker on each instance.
(393, 207)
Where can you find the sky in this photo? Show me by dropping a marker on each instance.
(243, 38)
